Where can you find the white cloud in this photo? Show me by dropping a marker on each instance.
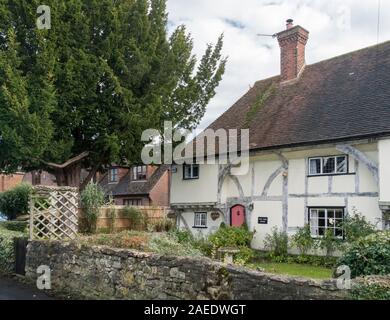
(336, 27)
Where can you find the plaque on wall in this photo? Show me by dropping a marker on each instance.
(263, 220)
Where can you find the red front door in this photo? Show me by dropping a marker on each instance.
(237, 216)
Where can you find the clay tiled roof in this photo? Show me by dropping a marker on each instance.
(333, 100)
(126, 187)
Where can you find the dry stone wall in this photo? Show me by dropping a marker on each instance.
(106, 273)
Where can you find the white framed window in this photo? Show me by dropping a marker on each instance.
(328, 165)
(113, 175)
(324, 219)
(139, 173)
(190, 171)
(200, 220)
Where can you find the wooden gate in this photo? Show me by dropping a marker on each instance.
(53, 213)
(20, 247)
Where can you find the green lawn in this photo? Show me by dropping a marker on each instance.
(294, 269)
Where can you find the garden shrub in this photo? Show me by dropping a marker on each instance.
(371, 288)
(161, 225)
(356, 226)
(245, 256)
(204, 246)
(369, 255)
(161, 243)
(92, 198)
(15, 202)
(124, 240)
(183, 235)
(227, 236)
(186, 237)
(138, 220)
(277, 243)
(303, 240)
(138, 242)
(7, 251)
(329, 243)
(168, 244)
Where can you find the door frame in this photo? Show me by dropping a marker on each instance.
(231, 216)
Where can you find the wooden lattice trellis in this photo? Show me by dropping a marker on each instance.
(54, 213)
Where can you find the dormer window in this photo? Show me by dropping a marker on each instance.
(139, 173)
(113, 175)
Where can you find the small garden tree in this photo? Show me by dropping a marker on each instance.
(92, 198)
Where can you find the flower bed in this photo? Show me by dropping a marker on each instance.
(162, 243)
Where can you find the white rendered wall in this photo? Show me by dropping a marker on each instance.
(199, 190)
(358, 190)
(384, 170)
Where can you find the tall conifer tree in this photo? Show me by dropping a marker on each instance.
(80, 94)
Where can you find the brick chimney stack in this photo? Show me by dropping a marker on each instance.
(292, 43)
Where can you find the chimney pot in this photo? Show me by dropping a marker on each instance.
(290, 23)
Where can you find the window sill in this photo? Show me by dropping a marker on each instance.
(322, 237)
(189, 179)
(331, 175)
(199, 227)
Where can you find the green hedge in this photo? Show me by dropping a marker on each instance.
(20, 226)
(7, 252)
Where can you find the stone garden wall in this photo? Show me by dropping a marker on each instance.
(106, 273)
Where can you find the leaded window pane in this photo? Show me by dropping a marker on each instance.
(329, 165)
(315, 166)
(341, 164)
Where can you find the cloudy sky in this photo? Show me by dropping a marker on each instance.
(336, 27)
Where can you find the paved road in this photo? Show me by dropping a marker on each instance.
(14, 290)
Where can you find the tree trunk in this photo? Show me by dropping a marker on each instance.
(69, 173)
(68, 176)
(89, 178)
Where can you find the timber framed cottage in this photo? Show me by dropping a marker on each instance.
(319, 148)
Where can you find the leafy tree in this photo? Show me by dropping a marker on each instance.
(80, 94)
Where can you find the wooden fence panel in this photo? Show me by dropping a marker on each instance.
(118, 221)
